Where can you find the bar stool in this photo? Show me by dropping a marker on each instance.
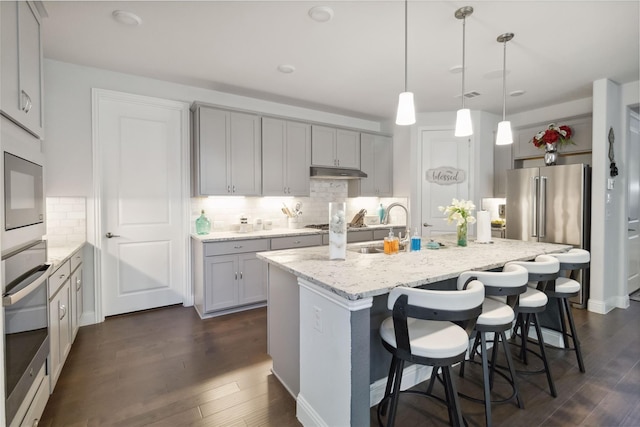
(428, 327)
(565, 287)
(544, 269)
(501, 291)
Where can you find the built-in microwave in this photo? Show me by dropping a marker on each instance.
(23, 193)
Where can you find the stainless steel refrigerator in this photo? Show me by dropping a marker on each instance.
(551, 204)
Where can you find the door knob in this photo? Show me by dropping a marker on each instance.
(110, 235)
(426, 225)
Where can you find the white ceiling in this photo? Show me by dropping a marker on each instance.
(354, 64)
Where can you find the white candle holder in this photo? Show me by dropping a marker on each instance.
(337, 231)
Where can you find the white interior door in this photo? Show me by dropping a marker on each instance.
(633, 249)
(139, 141)
(445, 172)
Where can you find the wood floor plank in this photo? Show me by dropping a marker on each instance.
(168, 367)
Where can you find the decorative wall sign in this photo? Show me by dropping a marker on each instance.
(446, 175)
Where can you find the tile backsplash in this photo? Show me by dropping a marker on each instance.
(66, 220)
(224, 212)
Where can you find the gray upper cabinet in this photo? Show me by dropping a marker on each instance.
(286, 157)
(227, 153)
(21, 75)
(376, 160)
(335, 147)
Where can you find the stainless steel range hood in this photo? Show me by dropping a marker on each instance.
(336, 173)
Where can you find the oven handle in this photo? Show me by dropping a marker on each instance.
(9, 300)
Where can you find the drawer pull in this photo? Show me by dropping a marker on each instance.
(35, 423)
(237, 247)
(62, 276)
(297, 242)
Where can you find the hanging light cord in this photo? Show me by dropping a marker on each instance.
(504, 82)
(464, 22)
(405, 44)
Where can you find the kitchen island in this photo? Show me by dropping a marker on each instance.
(323, 318)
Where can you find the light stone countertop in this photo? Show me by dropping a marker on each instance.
(221, 236)
(367, 275)
(59, 253)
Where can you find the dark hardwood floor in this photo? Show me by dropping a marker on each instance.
(166, 367)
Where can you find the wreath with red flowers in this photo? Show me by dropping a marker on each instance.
(559, 135)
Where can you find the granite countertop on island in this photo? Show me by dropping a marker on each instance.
(367, 275)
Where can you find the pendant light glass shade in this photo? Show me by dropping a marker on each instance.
(463, 123)
(463, 118)
(406, 109)
(504, 135)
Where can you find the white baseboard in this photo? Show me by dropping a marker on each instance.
(307, 415)
(88, 318)
(275, 374)
(411, 376)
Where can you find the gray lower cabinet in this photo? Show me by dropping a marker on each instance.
(77, 290)
(60, 333)
(229, 276)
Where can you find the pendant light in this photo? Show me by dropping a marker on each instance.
(406, 109)
(504, 135)
(463, 118)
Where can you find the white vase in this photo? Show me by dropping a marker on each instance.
(337, 231)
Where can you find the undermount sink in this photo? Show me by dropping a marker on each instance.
(377, 248)
(366, 250)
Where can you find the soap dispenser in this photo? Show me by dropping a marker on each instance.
(416, 241)
(391, 244)
(203, 225)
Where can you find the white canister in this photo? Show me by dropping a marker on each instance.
(293, 222)
(268, 224)
(258, 225)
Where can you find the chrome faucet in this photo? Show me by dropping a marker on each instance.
(385, 219)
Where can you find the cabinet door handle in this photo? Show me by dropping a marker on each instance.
(234, 189)
(26, 107)
(237, 247)
(236, 275)
(61, 276)
(241, 275)
(63, 309)
(297, 242)
(35, 423)
(78, 284)
(228, 189)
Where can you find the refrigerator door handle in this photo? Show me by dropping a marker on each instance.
(535, 182)
(543, 206)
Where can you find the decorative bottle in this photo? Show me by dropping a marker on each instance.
(381, 213)
(203, 225)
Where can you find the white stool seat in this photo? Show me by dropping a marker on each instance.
(429, 338)
(574, 256)
(532, 298)
(564, 285)
(495, 313)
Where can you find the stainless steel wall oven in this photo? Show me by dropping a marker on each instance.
(26, 332)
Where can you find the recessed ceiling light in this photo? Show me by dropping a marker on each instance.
(517, 93)
(286, 68)
(456, 69)
(321, 13)
(126, 18)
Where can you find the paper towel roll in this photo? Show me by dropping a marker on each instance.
(484, 227)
